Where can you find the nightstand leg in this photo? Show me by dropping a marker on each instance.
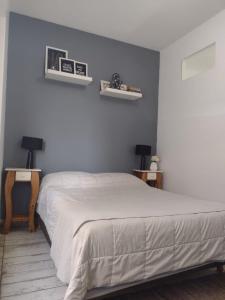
(159, 181)
(10, 180)
(34, 194)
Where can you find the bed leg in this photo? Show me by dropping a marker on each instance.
(219, 268)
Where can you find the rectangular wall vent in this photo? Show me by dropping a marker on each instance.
(199, 62)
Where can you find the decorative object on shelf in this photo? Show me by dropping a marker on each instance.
(115, 82)
(31, 144)
(67, 65)
(123, 87)
(143, 151)
(60, 68)
(154, 164)
(134, 89)
(104, 84)
(117, 89)
(52, 58)
(81, 68)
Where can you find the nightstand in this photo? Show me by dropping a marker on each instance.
(155, 178)
(21, 175)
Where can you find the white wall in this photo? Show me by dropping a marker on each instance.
(191, 120)
(3, 73)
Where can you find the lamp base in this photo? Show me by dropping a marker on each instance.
(30, 160)
(143, 163)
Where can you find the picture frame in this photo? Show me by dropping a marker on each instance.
(67, 65)
(52, 56)
(104, 84)
(81, 68)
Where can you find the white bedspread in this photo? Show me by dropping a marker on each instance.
(109, 235)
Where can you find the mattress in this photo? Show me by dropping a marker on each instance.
(112, 229)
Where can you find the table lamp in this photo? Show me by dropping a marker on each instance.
(31, 144)
(143, 151)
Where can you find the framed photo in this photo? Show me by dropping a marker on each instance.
(81, 68)
(104, 85)
(66, 65)
(52, 58)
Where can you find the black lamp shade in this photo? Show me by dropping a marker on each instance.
(31, 143)
(143, 150)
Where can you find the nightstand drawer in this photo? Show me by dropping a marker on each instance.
(151, 176)
(154, 179)
(23, 176)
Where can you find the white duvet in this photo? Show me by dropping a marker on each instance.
(111, 229)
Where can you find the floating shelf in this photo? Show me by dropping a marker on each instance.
(66, 77)
(121, 94)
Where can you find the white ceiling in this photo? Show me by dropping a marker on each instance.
(152, 24)
(3, 7)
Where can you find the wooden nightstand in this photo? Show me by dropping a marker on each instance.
(154, 178)
(21, 175)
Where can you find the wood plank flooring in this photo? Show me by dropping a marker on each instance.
(28, 273)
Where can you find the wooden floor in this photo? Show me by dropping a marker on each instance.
(27, 273)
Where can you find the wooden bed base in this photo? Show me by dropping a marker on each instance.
(150, 284)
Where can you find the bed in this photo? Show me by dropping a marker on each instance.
(111, 230)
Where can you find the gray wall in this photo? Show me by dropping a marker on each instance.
(82, 130)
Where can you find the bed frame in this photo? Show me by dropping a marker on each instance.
(44, 230)
(146, 285)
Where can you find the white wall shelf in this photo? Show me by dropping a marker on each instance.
(121, 94)
(66, 77)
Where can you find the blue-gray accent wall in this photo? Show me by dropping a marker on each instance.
(82, 130)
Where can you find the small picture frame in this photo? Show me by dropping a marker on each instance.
(52, 58)
(66, 65)
(104, 84)
(81, 68)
